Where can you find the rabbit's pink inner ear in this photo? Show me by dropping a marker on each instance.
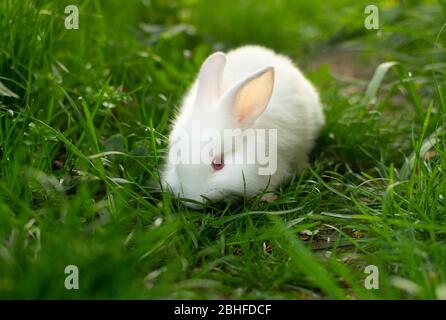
(210, 79)
(253, 96)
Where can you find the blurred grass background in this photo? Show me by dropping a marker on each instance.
(374, 195)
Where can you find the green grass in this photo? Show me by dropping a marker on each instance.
(83, 140)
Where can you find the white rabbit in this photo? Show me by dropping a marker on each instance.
(249, 88)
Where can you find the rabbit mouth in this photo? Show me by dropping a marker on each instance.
(195, 205)
(200, 201)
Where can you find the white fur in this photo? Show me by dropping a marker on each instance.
(294, 109)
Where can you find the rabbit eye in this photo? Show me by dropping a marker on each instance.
(218, 163)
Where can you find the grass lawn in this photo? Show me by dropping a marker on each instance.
(84, 116)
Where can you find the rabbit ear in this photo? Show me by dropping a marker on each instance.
(249, 98)
(210, 78)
